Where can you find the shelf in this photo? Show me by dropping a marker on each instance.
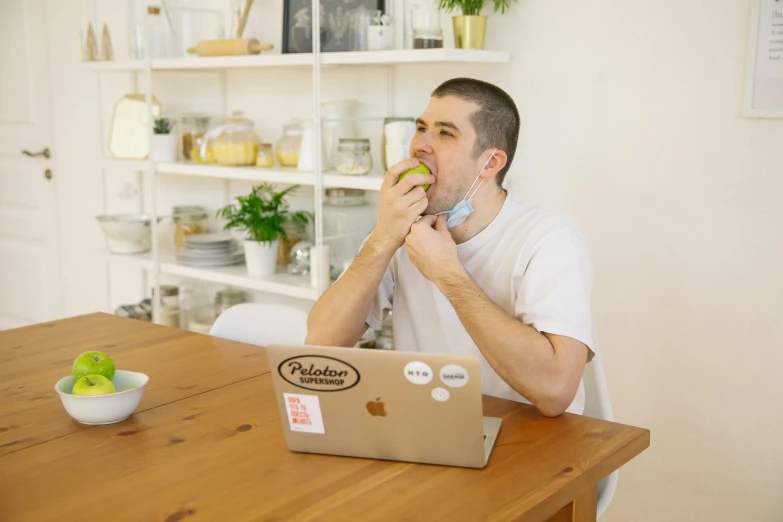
(298, 60)
(281, 283)
(272, 175)
(288, 175)
(371, 181)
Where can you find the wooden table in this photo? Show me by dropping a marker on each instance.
(206, 444)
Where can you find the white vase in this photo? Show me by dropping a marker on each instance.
(164, 147)
(261, 258)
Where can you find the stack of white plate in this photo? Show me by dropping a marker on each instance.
(208, 250)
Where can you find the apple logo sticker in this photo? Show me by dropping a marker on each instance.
(440, 394)
(418, 373)
(454, 375)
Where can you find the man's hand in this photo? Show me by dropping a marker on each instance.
(432, 249)
(400, 205)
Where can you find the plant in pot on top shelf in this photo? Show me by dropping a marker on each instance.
(261, 216)
(471, 27)
(164, 141)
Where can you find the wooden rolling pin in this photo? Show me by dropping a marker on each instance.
(229, 47)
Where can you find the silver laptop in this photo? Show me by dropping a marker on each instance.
(405, 406)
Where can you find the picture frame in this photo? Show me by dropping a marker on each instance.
(763, 96)
(335, 24)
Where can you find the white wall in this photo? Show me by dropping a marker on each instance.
(631, 123)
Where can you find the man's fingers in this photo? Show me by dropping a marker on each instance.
(428, 219)
(440, 224)
(395, 170)
(414, 180)
(412, 197)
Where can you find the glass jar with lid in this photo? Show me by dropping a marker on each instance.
(188, 220)
(288, 146)
(295, 232)
(227, 298)
(265, 156)
(166, 308)
(193, 128)
(235, 142)
(348, 220)
(353, 156)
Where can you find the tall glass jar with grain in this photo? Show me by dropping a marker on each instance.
(188, 220)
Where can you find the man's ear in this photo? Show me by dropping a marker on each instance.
(495, 165)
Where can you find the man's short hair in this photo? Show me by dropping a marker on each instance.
(496, 121)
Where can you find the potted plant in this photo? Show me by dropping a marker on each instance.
(471, 27)
(261, 216)
(164, 143)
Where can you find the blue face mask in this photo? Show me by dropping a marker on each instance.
(460, 212)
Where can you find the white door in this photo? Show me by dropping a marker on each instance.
(30, 282)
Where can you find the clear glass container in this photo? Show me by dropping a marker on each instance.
(229, 297)
(427, 39)
(353, 156)
(188, 221)
(193, 127)
(348, 220)
(166, 309)
(236, 142)
(288, 146)
(202, 151)
(295, 232)
(265, 156)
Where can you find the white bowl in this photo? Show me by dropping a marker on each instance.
(127, 233)
(104, 409)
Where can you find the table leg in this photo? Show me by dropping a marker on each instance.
(582, 509)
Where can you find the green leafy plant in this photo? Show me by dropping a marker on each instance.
(163, 125)
(472, 7)
(262, 213)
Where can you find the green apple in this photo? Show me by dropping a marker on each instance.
(93, 363)
(421, 168)
(93, 385)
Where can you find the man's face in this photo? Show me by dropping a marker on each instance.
(444, 143)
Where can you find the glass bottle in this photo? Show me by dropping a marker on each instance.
(353, 157)
(288, 146)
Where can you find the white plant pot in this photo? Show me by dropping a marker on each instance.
(164, 147)
(261, 258)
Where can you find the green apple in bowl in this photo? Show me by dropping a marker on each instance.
(93, 363)
(421, 168)
(93, 385)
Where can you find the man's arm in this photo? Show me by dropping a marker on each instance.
(544, 368)
(338, 318)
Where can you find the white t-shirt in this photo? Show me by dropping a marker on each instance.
(532, 262)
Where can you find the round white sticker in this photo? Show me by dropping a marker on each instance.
(441, 394)
(418, 373)
(454, 375)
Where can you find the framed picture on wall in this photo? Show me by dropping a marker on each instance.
(764, 63)
(335, 24)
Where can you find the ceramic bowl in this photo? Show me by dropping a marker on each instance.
(127, 233)
(104, 409)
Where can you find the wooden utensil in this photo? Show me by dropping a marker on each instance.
(229, 47)
(243, 19)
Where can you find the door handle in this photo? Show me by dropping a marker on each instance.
(45, 153)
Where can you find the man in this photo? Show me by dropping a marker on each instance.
(508, 283)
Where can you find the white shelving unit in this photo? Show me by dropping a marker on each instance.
(163, 261)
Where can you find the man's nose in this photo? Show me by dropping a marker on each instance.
(421, 144)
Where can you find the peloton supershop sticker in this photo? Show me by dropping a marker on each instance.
(454, 375)
(418, 373)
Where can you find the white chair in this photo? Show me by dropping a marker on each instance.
(262, 324)
(597, 405)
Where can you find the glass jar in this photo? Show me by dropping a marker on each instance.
(166, 309)
(265, 156)
(193, 127)
(234, 143)
(427, 39)
(202, 151)
(188, 221)
(348, 220)
(353, 156)
(295, 232)
(288, 146)
(227, 298)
